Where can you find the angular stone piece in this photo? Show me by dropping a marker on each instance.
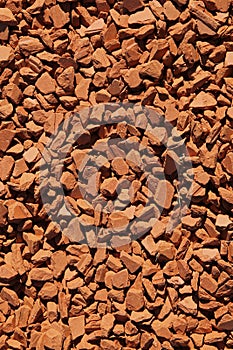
(29, 45)
(45, 84)
(7, 274)
(142, 17)
(207, 255)
(133, 5)
(17, 211)
(204, 100)
(6, 55)
(109, 186)
(152, 69)
(164, 194)
(59, 17)
(134, 299)
(77, 326)
(120, 279)
(132, 263)
(7, 17)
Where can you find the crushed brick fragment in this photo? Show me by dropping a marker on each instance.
(6, 55)
(142, 17)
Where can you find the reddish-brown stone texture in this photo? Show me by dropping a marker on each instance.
(162, 289)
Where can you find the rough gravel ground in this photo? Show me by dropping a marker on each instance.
(165, 289)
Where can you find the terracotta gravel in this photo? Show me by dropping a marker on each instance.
(162, 287)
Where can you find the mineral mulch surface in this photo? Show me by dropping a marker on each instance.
(159, 273)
